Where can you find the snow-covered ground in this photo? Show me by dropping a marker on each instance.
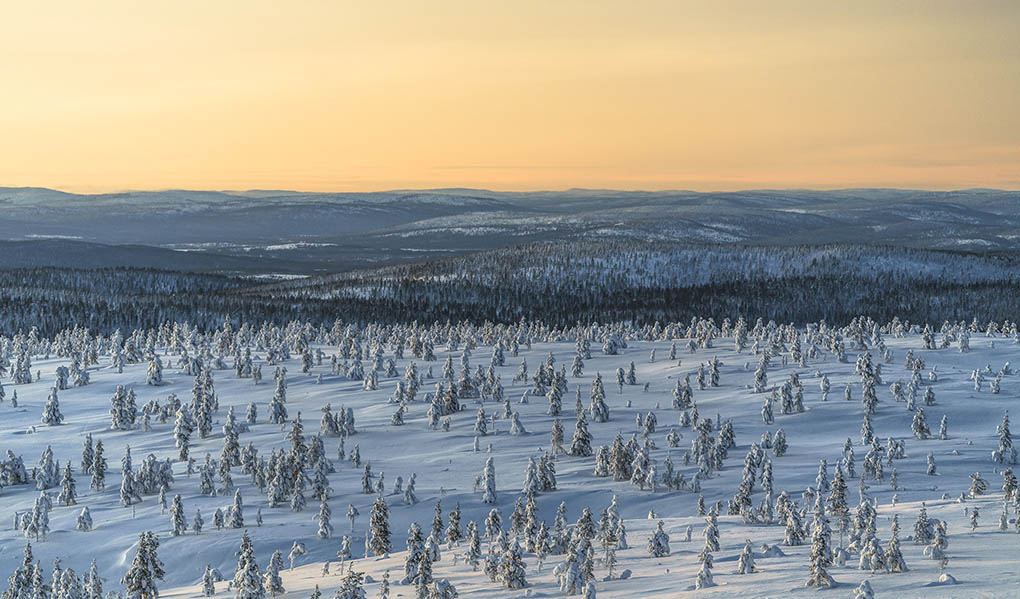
(985, 562)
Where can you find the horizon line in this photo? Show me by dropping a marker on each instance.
(507, 191)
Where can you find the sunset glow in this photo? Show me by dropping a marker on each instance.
(336, 96)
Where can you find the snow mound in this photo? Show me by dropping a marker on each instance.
(945, 579)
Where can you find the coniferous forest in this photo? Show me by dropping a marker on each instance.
(586, 418)
(560, 284)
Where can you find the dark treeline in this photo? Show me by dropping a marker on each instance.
(620, 264)
(117, 281)
(795, 299)
(558, 284)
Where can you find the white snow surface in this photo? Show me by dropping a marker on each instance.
(985, 562)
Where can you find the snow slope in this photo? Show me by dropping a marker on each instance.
(984, 561)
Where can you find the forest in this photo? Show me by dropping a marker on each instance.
(564, 284)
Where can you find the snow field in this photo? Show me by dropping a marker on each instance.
(984, 561)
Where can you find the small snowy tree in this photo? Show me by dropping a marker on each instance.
(325, 528)
(146, 569)
(745, 565)
(704, 579)
(51, 411)
(178, 522)
(273, 583)
(978, 485)
(379, 528)
(208, 582)
(247, 582)
(67, 496)
(581, 444)
(510, 572)
(489, 482)
(154, 375)
(84, 523)
(893, 555)
(820, 557)
(919, 426)
(864, 591)
(658, 543)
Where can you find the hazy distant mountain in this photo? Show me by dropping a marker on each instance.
(289, 231)
(178, 217)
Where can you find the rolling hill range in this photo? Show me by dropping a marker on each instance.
(311, 233)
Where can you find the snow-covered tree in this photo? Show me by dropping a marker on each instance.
(511, 572)
(146, 568)
(99, 468)
(325, 528)
(68, 495)
(581, 444)
(208, 582)
(923, 529)
(351, 586)
(893, 555)
(247, 582)
(704, 579)
(154, 375)
(379, 528)
(978, 485)
(745, 564)
(1005, 452)
(84, 523)
(779, 446)
(93, 583)
(178, 522)
(864, 591)
(658, 543)
(820, 557)
(919, 426)
(273, 582)
(51, 411)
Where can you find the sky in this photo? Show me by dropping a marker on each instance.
(336, 95)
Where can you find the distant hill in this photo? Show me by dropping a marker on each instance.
(285, 231)
(66, 253)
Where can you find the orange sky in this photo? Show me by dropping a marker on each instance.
(337, 95)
